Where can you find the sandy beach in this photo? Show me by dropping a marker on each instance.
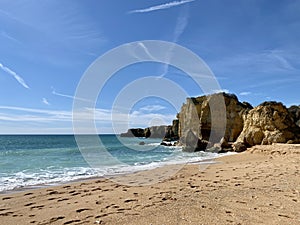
(259, 186)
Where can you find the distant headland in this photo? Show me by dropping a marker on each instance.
(268, 123)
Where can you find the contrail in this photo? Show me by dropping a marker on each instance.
(160, 7)
(15, 75)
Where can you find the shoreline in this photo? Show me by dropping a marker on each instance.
(259, 186)
(107, 176)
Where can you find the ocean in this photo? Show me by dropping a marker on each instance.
(28, 161)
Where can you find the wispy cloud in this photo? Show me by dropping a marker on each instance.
(274, 82)
(45, 101)
(43, 119)
(265, 61)
(293, 104)
(160, 7)
(281, 59)
(221, 90)
(244, 93)
(146, 50)
(6, 35)
(152, 108)
(15, 75)
(181, 24)
(40, 116)
(69, 96)
(37, 111)
(59, 24)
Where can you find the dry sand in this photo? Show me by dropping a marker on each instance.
(259, 186)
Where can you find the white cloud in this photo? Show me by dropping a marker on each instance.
(45, 101)
(279, 57)
(181, 24)
(264, 61)
(146, 50)
(245, 93)
(160, 7)
(152, 108)
(284, 80)
(69, 96)
(15, 75)
(221, 90)
(293, 104)
(62, 24)
(30, 114)
(38, 120)
(6, 35)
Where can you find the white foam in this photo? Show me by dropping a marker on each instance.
(55, 175)
(153, 144)
(25, 178)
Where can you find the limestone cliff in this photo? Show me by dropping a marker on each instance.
(235, 125)
(195, 117)
(295, 113)
(270, 122)
(134, 132)
(167, 132)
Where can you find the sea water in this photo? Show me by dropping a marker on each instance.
(35, 160)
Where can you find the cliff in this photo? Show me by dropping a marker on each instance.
(202, 126)
(195, 120)
(268, 123)
(167, 132)
(295, 113)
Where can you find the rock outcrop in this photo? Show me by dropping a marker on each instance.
(195, 117)
(235, 126)
(295, 113)
(268, 123)
(169, 133)
(134, 132)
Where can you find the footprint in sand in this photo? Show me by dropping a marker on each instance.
(96, 189)
(4, 209)
(76, 193)
(37, 207)
(71, 221)
(103, 215)
(6, 198)
(63, 199)
(6, 213)
(51, 192)
(130, 200)
(28, 194)
(29, 204)
(82, 210)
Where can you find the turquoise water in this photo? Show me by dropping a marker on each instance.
(33, 160)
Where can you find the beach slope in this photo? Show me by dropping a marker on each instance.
(259, 186)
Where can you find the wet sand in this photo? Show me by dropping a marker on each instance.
(259, 186)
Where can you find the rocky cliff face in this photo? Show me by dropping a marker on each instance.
(167, 132)
(295, 113)
(270, 122)
(242, 126)
(134, 132)
(195, 117)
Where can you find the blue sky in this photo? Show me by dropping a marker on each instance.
(251, 46)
